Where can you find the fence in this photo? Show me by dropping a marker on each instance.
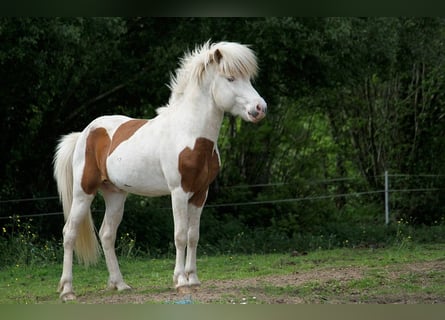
(387, 191)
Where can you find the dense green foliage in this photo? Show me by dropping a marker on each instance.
(348, 98)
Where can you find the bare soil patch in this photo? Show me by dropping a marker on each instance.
(329, 285)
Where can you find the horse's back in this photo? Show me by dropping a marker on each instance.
(109, 123)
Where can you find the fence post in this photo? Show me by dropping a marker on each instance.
(386, 198)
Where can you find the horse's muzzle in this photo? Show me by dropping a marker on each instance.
(258, 112)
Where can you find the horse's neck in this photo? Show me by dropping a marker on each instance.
(201, 117)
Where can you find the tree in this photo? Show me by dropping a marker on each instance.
(347, 97)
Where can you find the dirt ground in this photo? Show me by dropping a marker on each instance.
(336, 285)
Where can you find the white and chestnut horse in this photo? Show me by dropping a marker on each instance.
(174, 153)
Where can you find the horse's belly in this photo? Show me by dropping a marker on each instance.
(139, 176)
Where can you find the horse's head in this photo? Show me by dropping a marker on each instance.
(232, 90)
(226, 68)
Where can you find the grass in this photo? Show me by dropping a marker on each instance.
(413, 273)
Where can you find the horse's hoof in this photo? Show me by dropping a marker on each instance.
(184, 289)
(121, 286)
(195, 287)
(69, 296)
(124, 287)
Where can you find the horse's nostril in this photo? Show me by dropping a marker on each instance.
(261, 108)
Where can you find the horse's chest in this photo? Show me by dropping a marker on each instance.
(198, 167)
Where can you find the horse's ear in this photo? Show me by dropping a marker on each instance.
(217, 56)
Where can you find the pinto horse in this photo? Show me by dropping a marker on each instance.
(174, 153)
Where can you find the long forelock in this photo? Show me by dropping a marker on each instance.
(237, 61)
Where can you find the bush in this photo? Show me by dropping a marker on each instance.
(147, 230)
(20, 244)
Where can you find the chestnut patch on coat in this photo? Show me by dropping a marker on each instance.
(98, 147)
(125, 131)
(96, 152)
(198, 168)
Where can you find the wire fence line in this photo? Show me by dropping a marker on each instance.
(29, 199)
(242, 186)
(273, 184)
(44, 214)
(385, 191)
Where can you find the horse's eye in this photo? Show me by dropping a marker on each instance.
(230, 79)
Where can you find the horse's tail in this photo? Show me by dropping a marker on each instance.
(86, 247)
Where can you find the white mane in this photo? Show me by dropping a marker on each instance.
(233, 59)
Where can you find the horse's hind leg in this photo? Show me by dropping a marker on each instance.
(114, 202)
(80, 209)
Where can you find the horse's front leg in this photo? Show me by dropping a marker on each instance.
(192, 244)
(180, 219)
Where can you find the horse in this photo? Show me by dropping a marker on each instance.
(175, 153)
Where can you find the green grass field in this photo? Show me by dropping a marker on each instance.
(414, 274)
